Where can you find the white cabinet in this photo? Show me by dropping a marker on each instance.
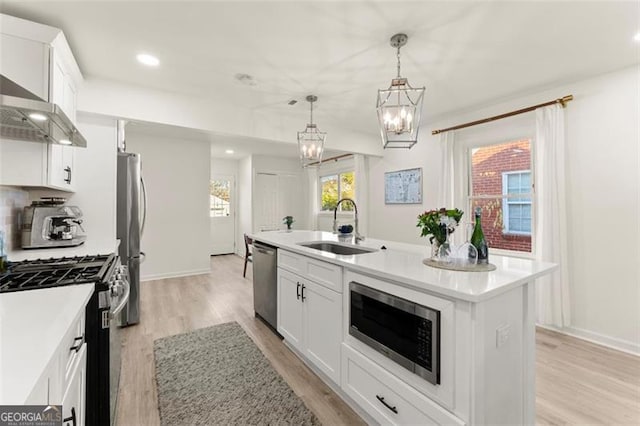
(38, 58)
(37, 164)
(60, 167)
(322, 325)
(386, 398)
(73, 402)
(310, 318)
(63, 88)
(26, 62)
(290, 308)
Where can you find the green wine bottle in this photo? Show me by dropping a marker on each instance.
(478, 240)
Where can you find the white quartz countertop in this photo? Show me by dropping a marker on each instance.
(402, 263)
(87, 249)
(32, 325)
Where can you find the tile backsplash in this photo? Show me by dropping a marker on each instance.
(12, 200)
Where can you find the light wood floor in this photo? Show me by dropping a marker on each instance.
(577, 382)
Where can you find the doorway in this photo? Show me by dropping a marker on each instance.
(222, 214)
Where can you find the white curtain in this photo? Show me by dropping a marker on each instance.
(312, 194)
(446, 190)
(361, 171)
(552, 291)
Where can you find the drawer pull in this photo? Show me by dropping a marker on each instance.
(76, 347)
(303, 296)
(71, 419)
(298, 291)
(381, 399)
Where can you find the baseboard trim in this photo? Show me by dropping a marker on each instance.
(597, 338)
(175, 274)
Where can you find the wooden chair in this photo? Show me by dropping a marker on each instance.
(248, 256)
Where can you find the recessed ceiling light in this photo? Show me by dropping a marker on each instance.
(37, 117)
(637, 37)
(229, 151)
(148, 60)
(64, 142)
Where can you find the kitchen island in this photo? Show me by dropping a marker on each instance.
(481, 339)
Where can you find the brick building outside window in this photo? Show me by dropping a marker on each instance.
(501, 183)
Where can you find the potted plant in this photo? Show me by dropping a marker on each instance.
(288, 220)
(439, 224)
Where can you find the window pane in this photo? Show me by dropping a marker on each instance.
(347, 190)
(219, 198)
(489, 163)
(329, 188)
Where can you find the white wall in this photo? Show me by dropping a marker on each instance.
(603, 198)
(176, 172)
(245, 202)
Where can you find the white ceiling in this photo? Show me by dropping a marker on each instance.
(467, 53)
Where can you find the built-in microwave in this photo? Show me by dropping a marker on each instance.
(404, 331)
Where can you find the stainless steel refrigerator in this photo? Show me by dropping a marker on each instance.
(131, 211)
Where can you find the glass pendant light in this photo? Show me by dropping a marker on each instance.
(311, 141)
(399, 107)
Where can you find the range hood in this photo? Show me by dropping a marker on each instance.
(26, 117)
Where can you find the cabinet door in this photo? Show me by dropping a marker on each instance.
(323, 320)
(63, 91)
(61, 167)
(25, 62)
(73, 402)
(290, 308)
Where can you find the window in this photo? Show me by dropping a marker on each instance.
(334, 187)
(517, 213)
(219, 198)
(501, 185)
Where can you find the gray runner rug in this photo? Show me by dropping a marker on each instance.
(216, 376)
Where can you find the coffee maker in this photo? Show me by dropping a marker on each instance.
(48, 223)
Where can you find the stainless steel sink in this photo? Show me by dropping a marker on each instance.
(336, 248)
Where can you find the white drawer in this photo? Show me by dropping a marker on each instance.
(324, 273)
(327, 274)
(386, 398)
(291, 261)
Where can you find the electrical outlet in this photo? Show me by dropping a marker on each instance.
(502, 334)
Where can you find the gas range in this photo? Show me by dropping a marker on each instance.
(54, 272)
(102, 335)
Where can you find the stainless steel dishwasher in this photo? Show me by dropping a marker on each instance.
(265, 283)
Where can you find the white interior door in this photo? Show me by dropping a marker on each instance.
(222, 199)
(266, 202)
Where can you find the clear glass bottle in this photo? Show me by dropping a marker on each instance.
(478, 240)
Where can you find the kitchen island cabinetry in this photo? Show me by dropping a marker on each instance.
(310, 319)
(477, 364)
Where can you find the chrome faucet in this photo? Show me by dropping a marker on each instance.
(357, 237)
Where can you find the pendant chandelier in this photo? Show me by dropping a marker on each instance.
(311, 141)
(399, 107)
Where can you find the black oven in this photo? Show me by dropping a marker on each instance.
(402, 330)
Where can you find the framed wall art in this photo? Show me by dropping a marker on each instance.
(403, 187)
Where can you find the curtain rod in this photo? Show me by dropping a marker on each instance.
(336, 158)
(562, 101)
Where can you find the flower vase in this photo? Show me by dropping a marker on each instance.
(441, 252)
